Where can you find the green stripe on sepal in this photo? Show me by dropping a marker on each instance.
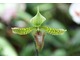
(22, 31)
(53, 31)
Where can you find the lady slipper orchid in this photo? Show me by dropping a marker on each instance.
(40, 30)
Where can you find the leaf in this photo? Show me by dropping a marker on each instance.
(46, 52)
(24, 15)
(50, 39)
(53, 31)
(28, 50)
(38, 19)
(1, 26)
(6, 48)
(76, 38)
(47, 7)
(22, 31)
(59, 52)
(18, 40)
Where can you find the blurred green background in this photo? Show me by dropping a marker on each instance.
(57, 15)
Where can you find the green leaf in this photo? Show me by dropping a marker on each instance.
(53, 31)
(18, 40)
(1, 26)
(24, 15)
(43, 7)
(28, 50)
(22, 31)
(76, 38)
(6, 48)
(50, 39)
(38, 19)
(59, 52)
(46, 52)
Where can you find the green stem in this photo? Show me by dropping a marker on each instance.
(37, 53)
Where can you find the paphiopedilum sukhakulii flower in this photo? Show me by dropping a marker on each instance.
(37, 21)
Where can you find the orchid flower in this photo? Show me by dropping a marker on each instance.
(74, 11)
(37, 27)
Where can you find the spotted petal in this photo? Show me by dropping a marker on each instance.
(22, 31)
(53, 31)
